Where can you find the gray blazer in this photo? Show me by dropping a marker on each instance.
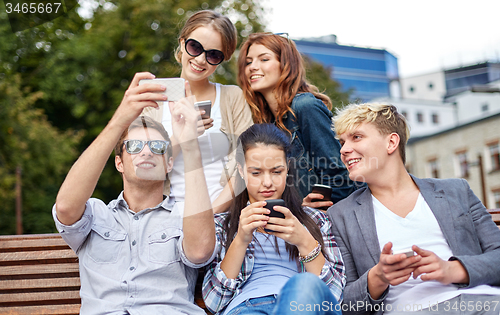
(467, 226)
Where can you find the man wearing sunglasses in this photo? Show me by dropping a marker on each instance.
(139, 253)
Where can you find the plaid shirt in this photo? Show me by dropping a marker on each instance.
(218, 290)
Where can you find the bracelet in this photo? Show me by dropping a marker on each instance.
(312, 255)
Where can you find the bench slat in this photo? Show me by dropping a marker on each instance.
(64, 309)
(32, 244)
(39, 270)
(496, 218)
(36, 256)
(30, 236)
(65, 283)
(53, 297)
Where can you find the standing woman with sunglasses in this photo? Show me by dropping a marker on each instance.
(206, 40)
(272, 76)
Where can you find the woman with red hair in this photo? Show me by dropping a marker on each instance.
(272, 76)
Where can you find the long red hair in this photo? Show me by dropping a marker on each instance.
(292, 79)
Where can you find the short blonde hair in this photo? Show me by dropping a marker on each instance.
(385, 117)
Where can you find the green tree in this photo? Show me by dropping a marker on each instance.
(29, 141)
(75, 70)
(319, 75)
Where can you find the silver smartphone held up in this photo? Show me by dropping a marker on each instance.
(175, 87)
(206, 106)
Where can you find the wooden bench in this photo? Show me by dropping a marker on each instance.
(495, 215)
(39, 275)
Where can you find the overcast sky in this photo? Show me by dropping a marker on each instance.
(425, 35)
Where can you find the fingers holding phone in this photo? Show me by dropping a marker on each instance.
(319, 198)
(252, 217)
(206, 122)
(137, 97)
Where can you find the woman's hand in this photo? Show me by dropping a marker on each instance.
(291, 230)
(204, 124)
(251, 218)
(308, 201)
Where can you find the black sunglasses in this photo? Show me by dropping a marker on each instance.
(194, 49)
(136, 146)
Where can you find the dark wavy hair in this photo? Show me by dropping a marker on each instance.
(268, 135)
(292, 79)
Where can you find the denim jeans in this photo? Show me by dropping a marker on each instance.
(304, 293)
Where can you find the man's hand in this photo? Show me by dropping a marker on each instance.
(185, 119)
(137, 98)
(390, 270)
(431, 267)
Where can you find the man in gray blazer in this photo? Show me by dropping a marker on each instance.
(409, 245)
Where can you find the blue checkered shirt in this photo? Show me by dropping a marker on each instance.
(218, 290)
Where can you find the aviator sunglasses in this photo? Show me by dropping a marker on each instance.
(194, 49)
(136, 146)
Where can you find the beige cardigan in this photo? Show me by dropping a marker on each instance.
(236, 118)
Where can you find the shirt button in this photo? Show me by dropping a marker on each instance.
(106, 234)
(132, 268)
(163, 236)
(133, 243)
(136, 218)
(251, 257)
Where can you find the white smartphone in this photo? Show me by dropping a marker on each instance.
(175, 87)
(407, 251)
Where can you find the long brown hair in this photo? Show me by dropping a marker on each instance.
(292, 79)
(269, 135)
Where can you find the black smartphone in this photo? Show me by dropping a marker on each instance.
(269, 205)
(206, 106)
(324, 190)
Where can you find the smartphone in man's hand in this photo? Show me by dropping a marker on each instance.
(175, 87)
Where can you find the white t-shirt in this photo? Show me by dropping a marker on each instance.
(420, 228)
(214, 146)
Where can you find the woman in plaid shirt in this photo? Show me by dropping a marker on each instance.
(270, 265)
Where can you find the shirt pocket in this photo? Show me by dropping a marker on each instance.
(163, 246)
(106, 244)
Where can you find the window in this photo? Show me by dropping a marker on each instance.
(463, 164)
(434, 168)
(435, 119)
(420, 117)
(485, 107)
(404, 113)
(494, 150)
(496, 198)
(431, 86)
(412, 89)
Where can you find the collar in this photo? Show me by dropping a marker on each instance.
(167, 203)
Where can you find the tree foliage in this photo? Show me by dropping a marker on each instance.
(44, 154)
(62, 81)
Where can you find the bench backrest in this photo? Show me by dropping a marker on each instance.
(38, 275)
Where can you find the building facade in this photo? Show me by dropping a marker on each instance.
(424, 117)
(444, 84)
(369, 73)
(470, 151)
